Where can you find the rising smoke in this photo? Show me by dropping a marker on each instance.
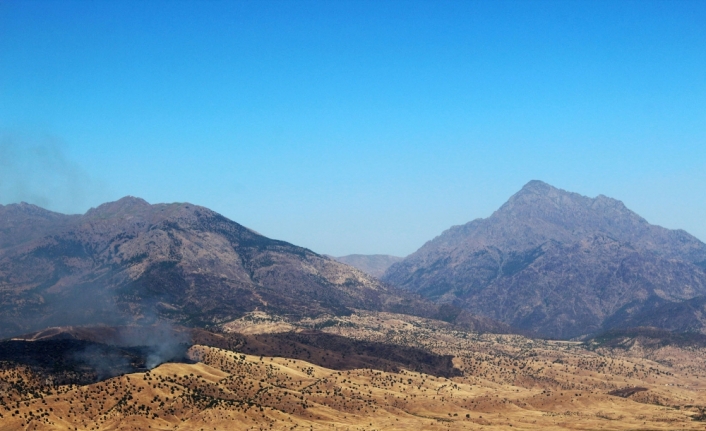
(36, 170)
(125, 349)
(162, 342)
(104, 361)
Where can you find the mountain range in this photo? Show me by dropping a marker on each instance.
(548, 262)
(563, 265)
(185, 320)
(129, 262)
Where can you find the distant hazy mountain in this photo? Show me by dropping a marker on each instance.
(373, 264)
(131, 262)
(557, 263)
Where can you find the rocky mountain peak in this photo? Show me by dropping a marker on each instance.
(552, 213)
(128, 205)
(542, 196)
(537, 187)
(575, 258)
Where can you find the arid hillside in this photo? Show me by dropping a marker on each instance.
(622, 381)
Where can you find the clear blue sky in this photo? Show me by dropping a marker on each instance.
(354, 127)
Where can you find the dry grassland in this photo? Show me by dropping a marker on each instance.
(508, 382)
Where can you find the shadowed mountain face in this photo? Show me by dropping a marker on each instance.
(558, 263)
(373, 264)
(132, 262)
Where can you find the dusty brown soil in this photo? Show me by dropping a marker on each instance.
(505, 382)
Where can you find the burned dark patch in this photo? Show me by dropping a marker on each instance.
(73, 361)
(626, 392)
(333, 351)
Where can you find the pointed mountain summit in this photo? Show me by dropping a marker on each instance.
(557, 263)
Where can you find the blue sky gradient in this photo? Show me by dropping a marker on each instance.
(354, 127)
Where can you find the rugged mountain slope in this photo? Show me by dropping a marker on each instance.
(129, 261)
(373, 264)
(557, 263)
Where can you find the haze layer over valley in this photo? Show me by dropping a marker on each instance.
(375, 264)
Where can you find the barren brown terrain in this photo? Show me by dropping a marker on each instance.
(625, 381)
